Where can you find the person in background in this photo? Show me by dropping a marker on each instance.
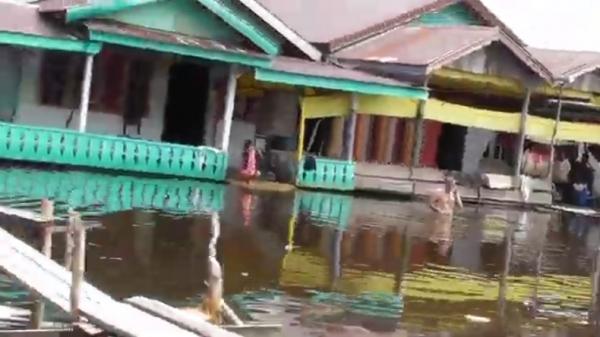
(249, 169)
(443, 204)
(581, 179)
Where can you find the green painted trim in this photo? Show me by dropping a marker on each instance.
(43, 42)
(100, 8)
(209, 54)
(245, 25)
(452, 15)
(275, 76)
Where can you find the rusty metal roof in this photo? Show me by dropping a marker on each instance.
(434, 47)
(25, 19)
(337, 22)
(567, 65)
(422, 46)
(310, 68)
(118, 28)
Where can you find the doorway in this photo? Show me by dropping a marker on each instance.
(187, 98)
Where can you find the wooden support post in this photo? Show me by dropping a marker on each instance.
(229, 106)
(301, 129)
(85, 92)
(47, 228)
(419, 132)
(522, 133)
(350, 130)
(78, 267)
(554, 133)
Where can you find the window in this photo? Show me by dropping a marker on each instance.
(120, 82)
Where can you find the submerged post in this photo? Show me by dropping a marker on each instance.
(350, 130)
(47, 215)
(229, 106)
(554, 133)
(85, 92)
(78, 267)
(522, 133)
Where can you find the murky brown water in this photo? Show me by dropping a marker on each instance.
(358, 266)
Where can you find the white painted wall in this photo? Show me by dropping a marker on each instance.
(31, 112)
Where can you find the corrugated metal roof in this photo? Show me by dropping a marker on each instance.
(60, 5)
(434, 47)
(567, 65)
(422, 46)
(114, 27)
(25, 19)
(334, 22)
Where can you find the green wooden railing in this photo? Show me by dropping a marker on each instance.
(102, 193)
(68, 147)
(327, 209)
(330, 174)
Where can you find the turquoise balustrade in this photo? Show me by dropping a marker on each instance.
(103, 193)
(327, 209)
(68, 147)
(330, 174)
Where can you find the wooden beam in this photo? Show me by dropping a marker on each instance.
(195, 323)
(85, 92)
(53, 282)
(419, 132)
(350, 130)
(78, 266)
(522, 133)
(229, 106)
(554, 133)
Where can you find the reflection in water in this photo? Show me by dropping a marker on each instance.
(330, 265)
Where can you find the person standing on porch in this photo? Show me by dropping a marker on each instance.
(249, 169)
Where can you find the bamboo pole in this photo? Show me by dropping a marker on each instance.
(554, 133)
(85, 92)
(229, 106)
(522, 133)
(78, 267)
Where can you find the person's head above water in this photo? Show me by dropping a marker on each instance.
(247, 143)
(450, 184)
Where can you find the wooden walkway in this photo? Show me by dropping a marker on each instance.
(51, 281)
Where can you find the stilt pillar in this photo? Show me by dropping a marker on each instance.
(350, 130)
(229, 106)
(85, 92)
(419, 131)
(554, 133)
(522, 133)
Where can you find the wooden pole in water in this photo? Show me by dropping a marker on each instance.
(85, 92)
(229, 106)
(78, 267)
(350, 130)
(505, 272)
(47, 214)
(522, 133)
(554, 133)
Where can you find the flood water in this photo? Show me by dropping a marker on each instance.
(333, 265)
